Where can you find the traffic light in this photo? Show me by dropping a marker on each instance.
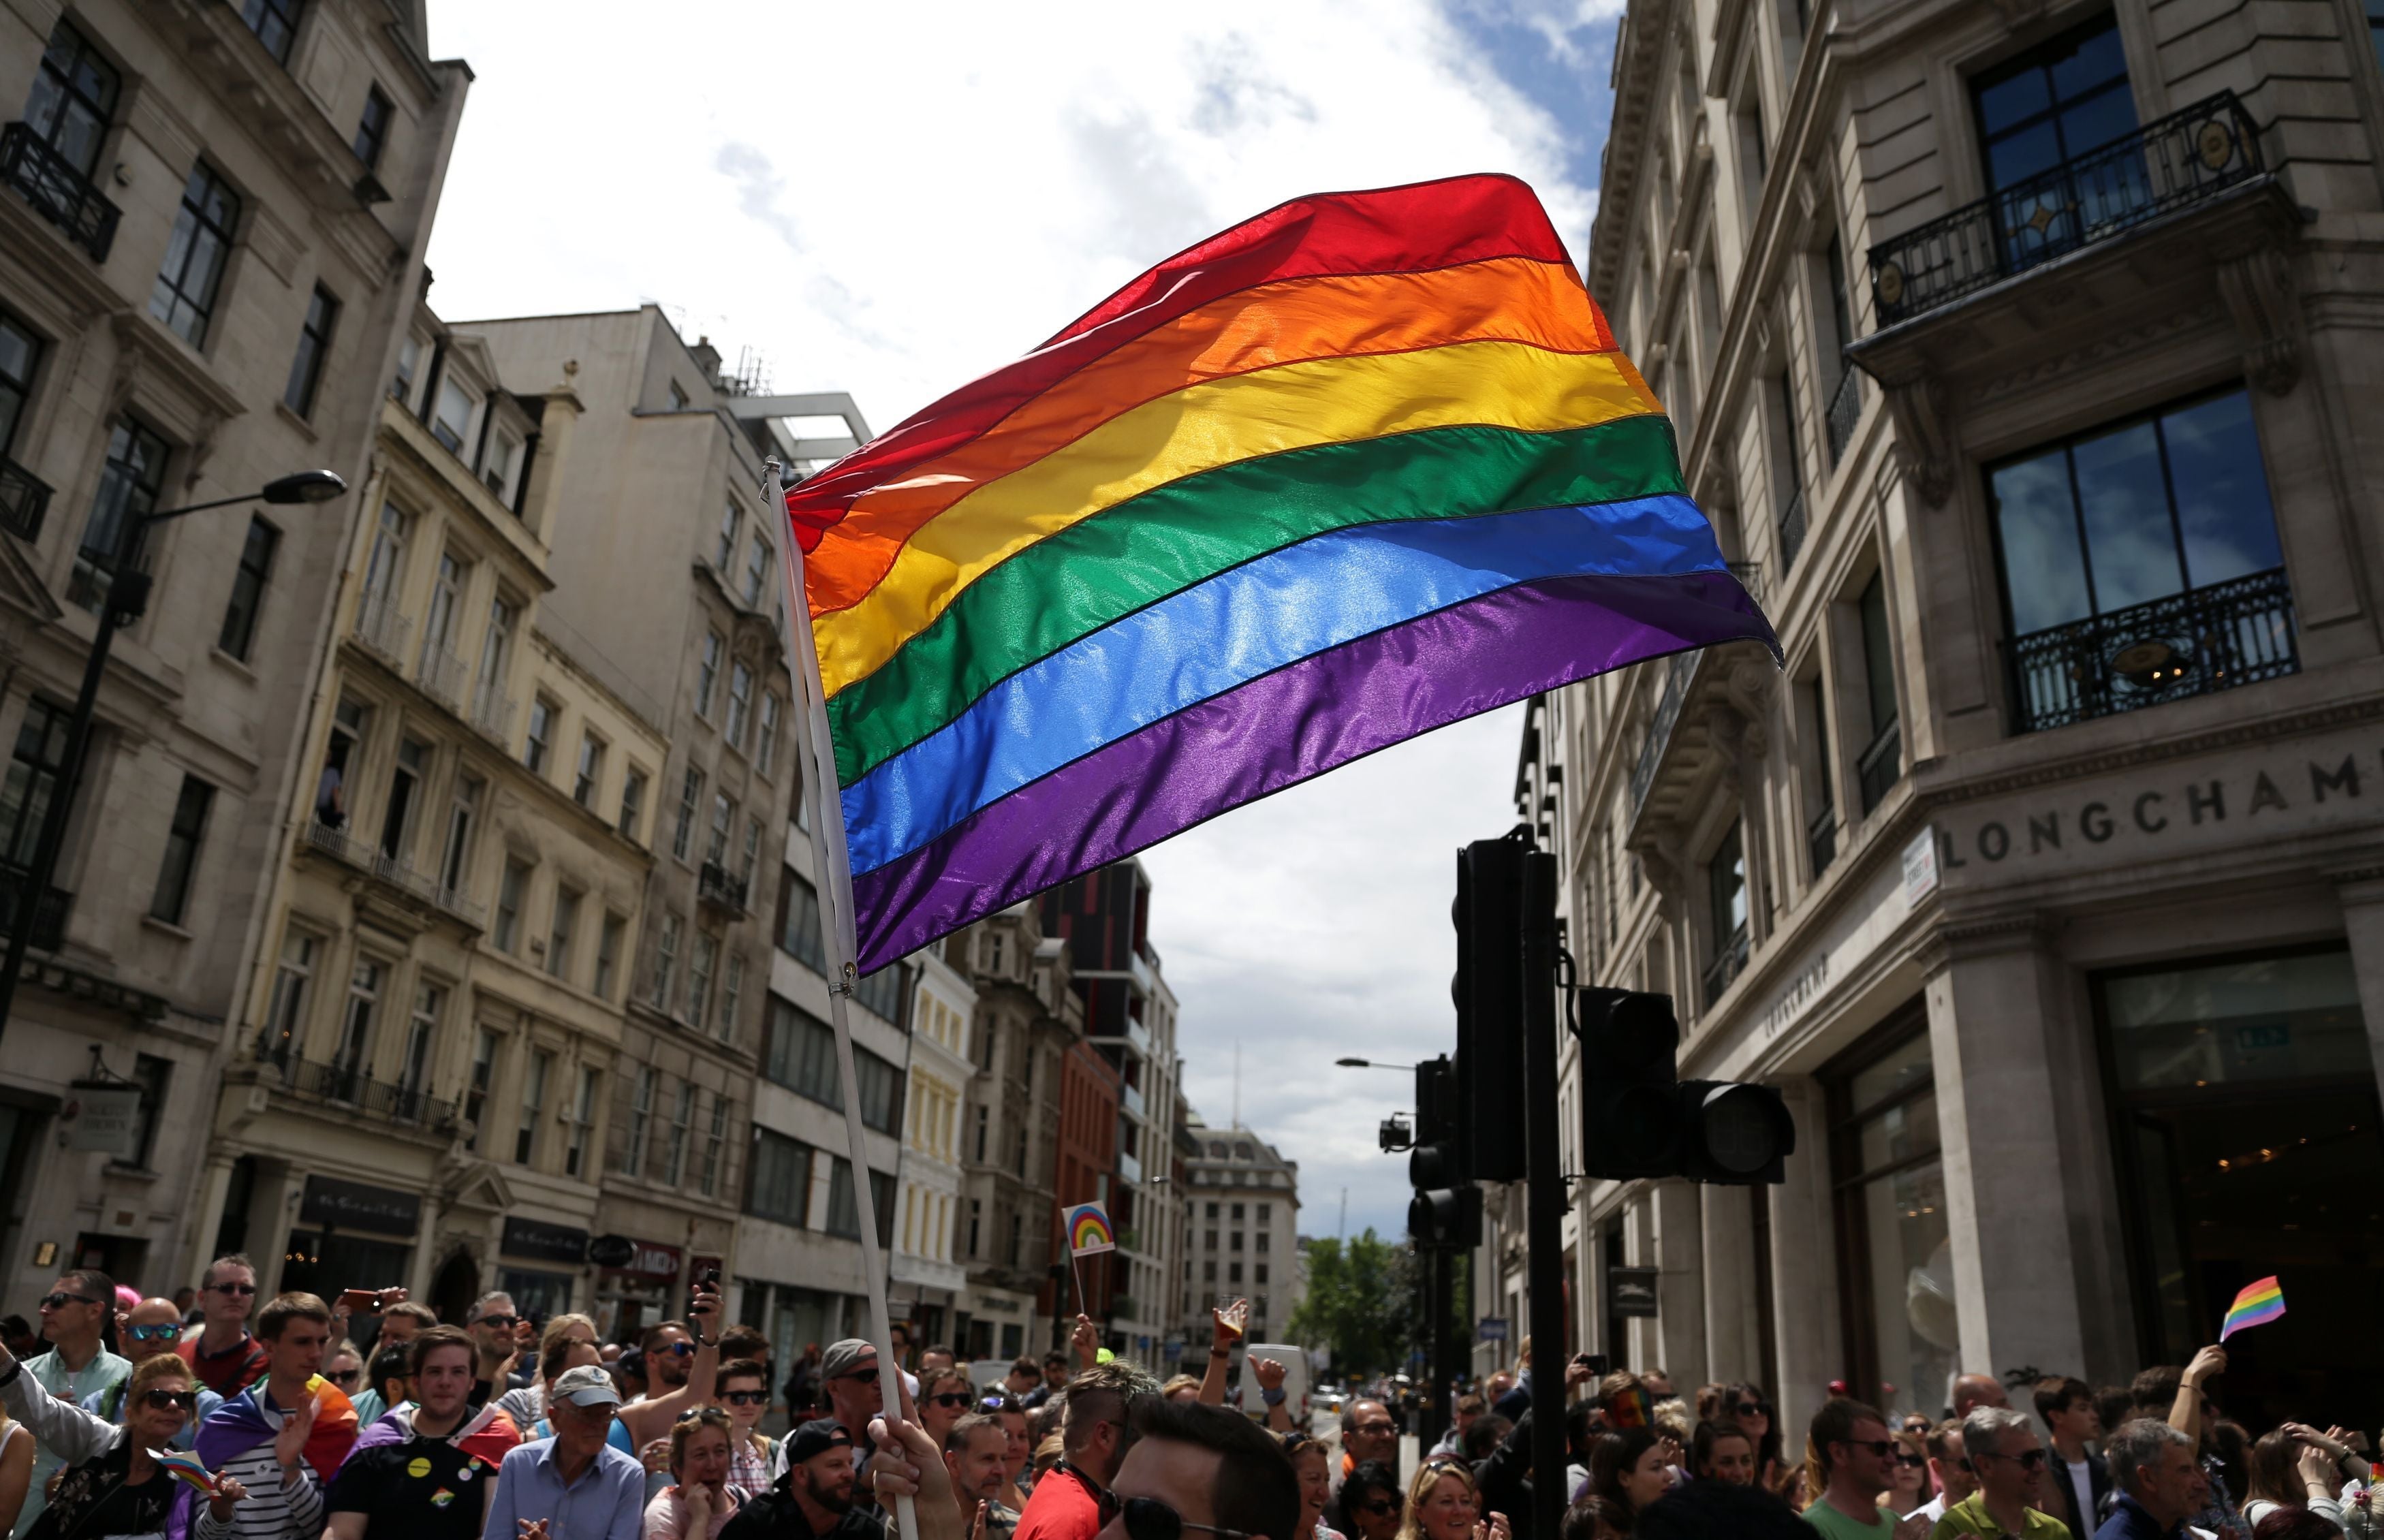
(1638, 1120)
(1488, 989)
(1446, 1210)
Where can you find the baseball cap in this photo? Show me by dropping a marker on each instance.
(817, 1438)
(587, 1385)
(846, 1356)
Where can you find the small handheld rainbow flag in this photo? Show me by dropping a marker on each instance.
(187, 1468)
(1088, 1230)
(2256, 1306)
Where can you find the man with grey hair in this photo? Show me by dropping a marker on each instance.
(2009, 1463)
(1067, 1504)
(2158, 1480)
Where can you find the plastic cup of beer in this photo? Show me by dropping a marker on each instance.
(1236, 1317)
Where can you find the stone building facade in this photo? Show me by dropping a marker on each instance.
(1241, 1234)
(2021, 351)
(211, 239)
(930, 1282)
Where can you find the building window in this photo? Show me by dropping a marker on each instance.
(33, 771)
(540, 742)
(799, 935)
(723, 818)
(499, 464)
(314, 345)
(740, 704)
(633, 801)
(153, 1075)
(778, 1181)
(352, 1055)
(608, 953)
(1238, 1240)
(533, 1105)
(1259, 1270)
(1790, 465)
(682, 1118)
(129, 480)
(492, 706)
(724, 550)
(1899, 1288)
(2042, 110)
(372, 129)
(463, 816)
(182, 859)
(881, 1090)
(1881, 765)
(285, 1012)
(2375, 29)
(641, 1121)
(1821, 828)
(20, 350)
(844, 1209)
(441, 671)
(1726, 895)
(476, 1090)
(239, 628)
(751, 854)
(707, 674)
(73, 99)
(510, 891)
(757, 564)
(421, 1036)
(732, 985)
(452, 419)
(2140, 564)
(404, 785)
(1234, 1273)
(184, 295)
(591, 772)
(707, 1177)
(566, 924)
(665, 959)
(800, 1053)
(583, 1121)
(690, 793)
(409, 358)
(699, 963)
(765, 741)
(275, 22)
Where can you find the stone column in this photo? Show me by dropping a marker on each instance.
(425, 1247)
(199, 1241)
(272, 1215)
(1679, 1253)
(1728, 1244)
(1805, 1270)
(1991, 993)
(2361, 892)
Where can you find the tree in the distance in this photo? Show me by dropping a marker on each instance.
(1360, 1304)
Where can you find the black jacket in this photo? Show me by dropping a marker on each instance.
(774, 1515)
(2064, 1506)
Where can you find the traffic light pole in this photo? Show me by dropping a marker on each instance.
(1444, 1329)
(1545, 1190)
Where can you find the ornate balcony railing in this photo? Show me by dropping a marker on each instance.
(441, 676)
(1792, 529)
(1881, 765)
(493, 712)
(355, 1087)
(1845, 410)
(24, 500)
(2163, 167)
(1730, 961)
(49, 914)
(390, 869)
(717, 884)
(2196, 642)
(383, 627)
(58, 193)
(1821, 839)
(1677, 670)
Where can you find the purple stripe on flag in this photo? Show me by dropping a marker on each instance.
(1283, 727)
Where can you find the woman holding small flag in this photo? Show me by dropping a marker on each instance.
(112, 1483)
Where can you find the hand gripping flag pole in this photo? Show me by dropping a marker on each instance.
(816, 758)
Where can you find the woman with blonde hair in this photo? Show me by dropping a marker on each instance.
(528, 1405)
(1444, 1504)
(110, 1483)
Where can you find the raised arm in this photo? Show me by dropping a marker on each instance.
(2185, 1413)
(651, 1419)
(1269, 1374)
(63, 1428)
(1220, 1357)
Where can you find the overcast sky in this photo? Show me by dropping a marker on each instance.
(892, 199)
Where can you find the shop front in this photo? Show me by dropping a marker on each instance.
(539, 1263)
(641, 1290)
(999, 1323)
(350, 1235)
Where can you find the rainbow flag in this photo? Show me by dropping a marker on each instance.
(1352, 470)
(1088, 1230)
(2256, 1306)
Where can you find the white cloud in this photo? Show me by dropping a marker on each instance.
(890, 200)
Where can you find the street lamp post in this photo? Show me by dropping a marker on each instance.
(127, 598)
(1373, 1064)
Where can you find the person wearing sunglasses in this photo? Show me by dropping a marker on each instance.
(152, 1328)
(1850, 1456)
(743, 1387)
(849, 1379)
(682, 1363)
(490, 1321)
(425, 1472)
(223, 1355)
(2009, 1462)
(945, 1397)
(1199, 1473)
(1747, 1406)
(816, 1499)
(1070, 1503)
(110, 1484)
(1370, 1506)
(78, 1318)
(1908, 1486)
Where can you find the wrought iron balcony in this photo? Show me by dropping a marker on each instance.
(441, 676)
(1845, 410)
(1730, 961)
(493, 712)
(1677, 670)
(392, 871)
(717, 885)
(354, 1088)
(49, 914)
(24, 499)
(58, 193)
(1881, 765)
(1821, 839)
(1792, 529)
(381, 627)
(2196, 642)
(2160, 168)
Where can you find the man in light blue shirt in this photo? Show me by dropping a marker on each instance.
(574, 1485)
(75, 1314)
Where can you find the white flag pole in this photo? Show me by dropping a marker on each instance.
(815, 757)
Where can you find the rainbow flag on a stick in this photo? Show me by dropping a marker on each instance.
(1352, 470)
(1088, 1230)
(2256, 1306)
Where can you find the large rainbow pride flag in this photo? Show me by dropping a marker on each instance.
(1349, 471)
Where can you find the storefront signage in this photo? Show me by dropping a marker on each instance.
(110, 1121)
(355, 1206)
(2320, 785)
(548, 1243)
(995, 1302)
(611, 1250)
(1919, 867)
(650, 1258)
(1631, 1292)
(1491, 1328)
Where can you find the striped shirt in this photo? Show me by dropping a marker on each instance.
(272, 1511)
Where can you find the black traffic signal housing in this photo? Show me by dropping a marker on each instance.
(1446, 1209)
(1638, 1119)
(1490, 917)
